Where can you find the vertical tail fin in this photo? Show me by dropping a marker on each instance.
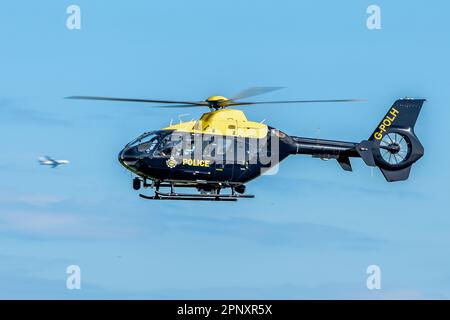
(403, 115)
(393, 146)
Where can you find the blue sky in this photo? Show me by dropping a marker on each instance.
(312, 230)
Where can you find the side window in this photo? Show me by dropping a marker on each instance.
(226, 145)
(209, 146)
(220, 148)
(242, 150)
(188, 145)
(228, 149)
(254, 146)
(169, 146)
(182, 145)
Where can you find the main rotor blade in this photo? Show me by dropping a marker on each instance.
(296, 101)
(254, 91)
(188, 103)
(180, 106)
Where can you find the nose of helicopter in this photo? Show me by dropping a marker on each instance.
(127, 157)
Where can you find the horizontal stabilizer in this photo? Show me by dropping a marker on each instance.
(345, 163)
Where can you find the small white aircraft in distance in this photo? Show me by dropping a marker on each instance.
(49, 161)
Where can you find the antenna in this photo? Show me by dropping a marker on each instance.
(182, 115)
(263, 120)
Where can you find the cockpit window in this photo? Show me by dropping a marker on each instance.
(142, 138)
(149, 146)
(148, 141)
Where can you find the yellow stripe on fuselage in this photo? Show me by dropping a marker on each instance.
(227, 122)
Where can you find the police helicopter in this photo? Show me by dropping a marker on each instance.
(223, 150)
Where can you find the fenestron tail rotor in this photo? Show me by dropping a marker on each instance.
(395, 148)
(216, 102)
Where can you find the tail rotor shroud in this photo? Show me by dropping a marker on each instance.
(393, 146)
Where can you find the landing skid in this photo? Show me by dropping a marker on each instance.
(210, 194)
(199, 197)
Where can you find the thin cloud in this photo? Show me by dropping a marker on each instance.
(286, 291)
(13, 113)
(275, 233)
(30, 199)
(22, 223)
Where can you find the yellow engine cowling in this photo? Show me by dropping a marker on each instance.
(228, 122)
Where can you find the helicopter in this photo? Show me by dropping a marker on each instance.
(224, 150)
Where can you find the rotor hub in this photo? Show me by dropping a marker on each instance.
(217, 102)
(394, 148)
